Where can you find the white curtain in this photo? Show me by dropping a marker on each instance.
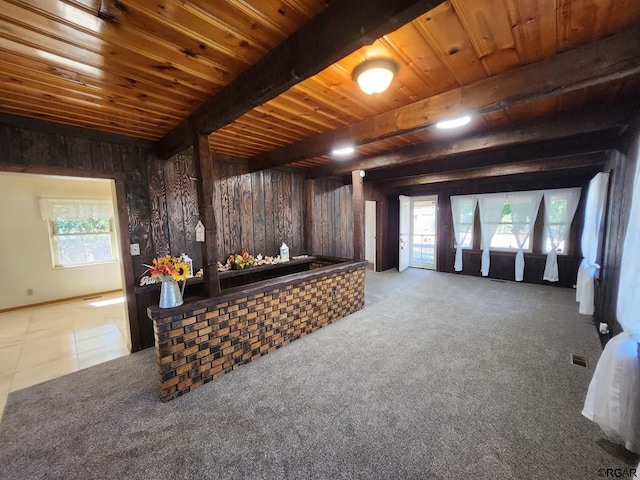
(75, 209)
(560, 208)
(462, 208)
(491, 205)
(524, 209)
(613, 399)
(593, 216)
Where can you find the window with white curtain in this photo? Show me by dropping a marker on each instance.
(463, 209)
(560, 207)
(81, 232)
(504, 238)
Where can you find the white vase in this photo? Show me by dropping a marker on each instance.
(170, 295)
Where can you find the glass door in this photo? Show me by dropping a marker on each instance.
(423, 248)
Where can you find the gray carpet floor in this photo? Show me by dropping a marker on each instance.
(440, 377)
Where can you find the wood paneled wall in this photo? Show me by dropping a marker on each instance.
(258, 211)
(255, 211)
(329, 217)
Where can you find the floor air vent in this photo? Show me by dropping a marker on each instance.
(579, 360)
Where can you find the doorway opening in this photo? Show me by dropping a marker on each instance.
(370, 248)
(423, 232)
(418, 232)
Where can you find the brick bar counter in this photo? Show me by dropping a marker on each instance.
(206, 338)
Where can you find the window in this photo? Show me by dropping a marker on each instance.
(463, 209)
(81, 231)
(504, 239)
(519, 212)
(560, 207)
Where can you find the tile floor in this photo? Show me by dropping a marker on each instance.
(41, 343)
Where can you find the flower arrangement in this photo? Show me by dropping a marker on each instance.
(243, 260)
(168, 266)
(240, 260)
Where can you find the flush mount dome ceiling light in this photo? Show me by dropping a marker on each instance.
(375, 75)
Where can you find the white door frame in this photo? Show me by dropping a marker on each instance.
(370, 244)
(435, 235)
(404, 255)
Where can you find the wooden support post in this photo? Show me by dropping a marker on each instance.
(309, 217)
(204, 184)
(358, 215)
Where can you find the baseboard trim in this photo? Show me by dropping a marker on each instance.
(61, 300)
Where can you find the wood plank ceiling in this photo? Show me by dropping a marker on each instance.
(140, 68)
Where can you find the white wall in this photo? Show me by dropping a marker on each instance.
(24, 242)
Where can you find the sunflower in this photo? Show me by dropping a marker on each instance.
(180, 271)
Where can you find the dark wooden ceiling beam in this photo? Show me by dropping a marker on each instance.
(599, 62)
(567, 124)
(577, 145)
(534, 166)
(337, 31)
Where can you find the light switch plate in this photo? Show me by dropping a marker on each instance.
(135, 249)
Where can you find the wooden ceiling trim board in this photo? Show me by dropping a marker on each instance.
(622, 14)
(324, 90)
(17, 109)
(23, 67)
(262, 139)
(437, 77)
(591, 119)
(242, 141)
(62, 52)
(44, 126)
(225, 66)
(25, 79)
(534, 26)
(277, 117)
(263, 125)
(319, 117)
(96, 105)
(615, 57)
(254, 135)
(411, 79)
(154, 51)
(300, 53)
(92, 53)
(442, 30)
(302, 91)
(273, 18)
(491, 37)
(82, 116)
(173, 16)
(233, 21)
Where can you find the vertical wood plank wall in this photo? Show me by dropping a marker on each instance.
(258, 211)
(332, 214)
